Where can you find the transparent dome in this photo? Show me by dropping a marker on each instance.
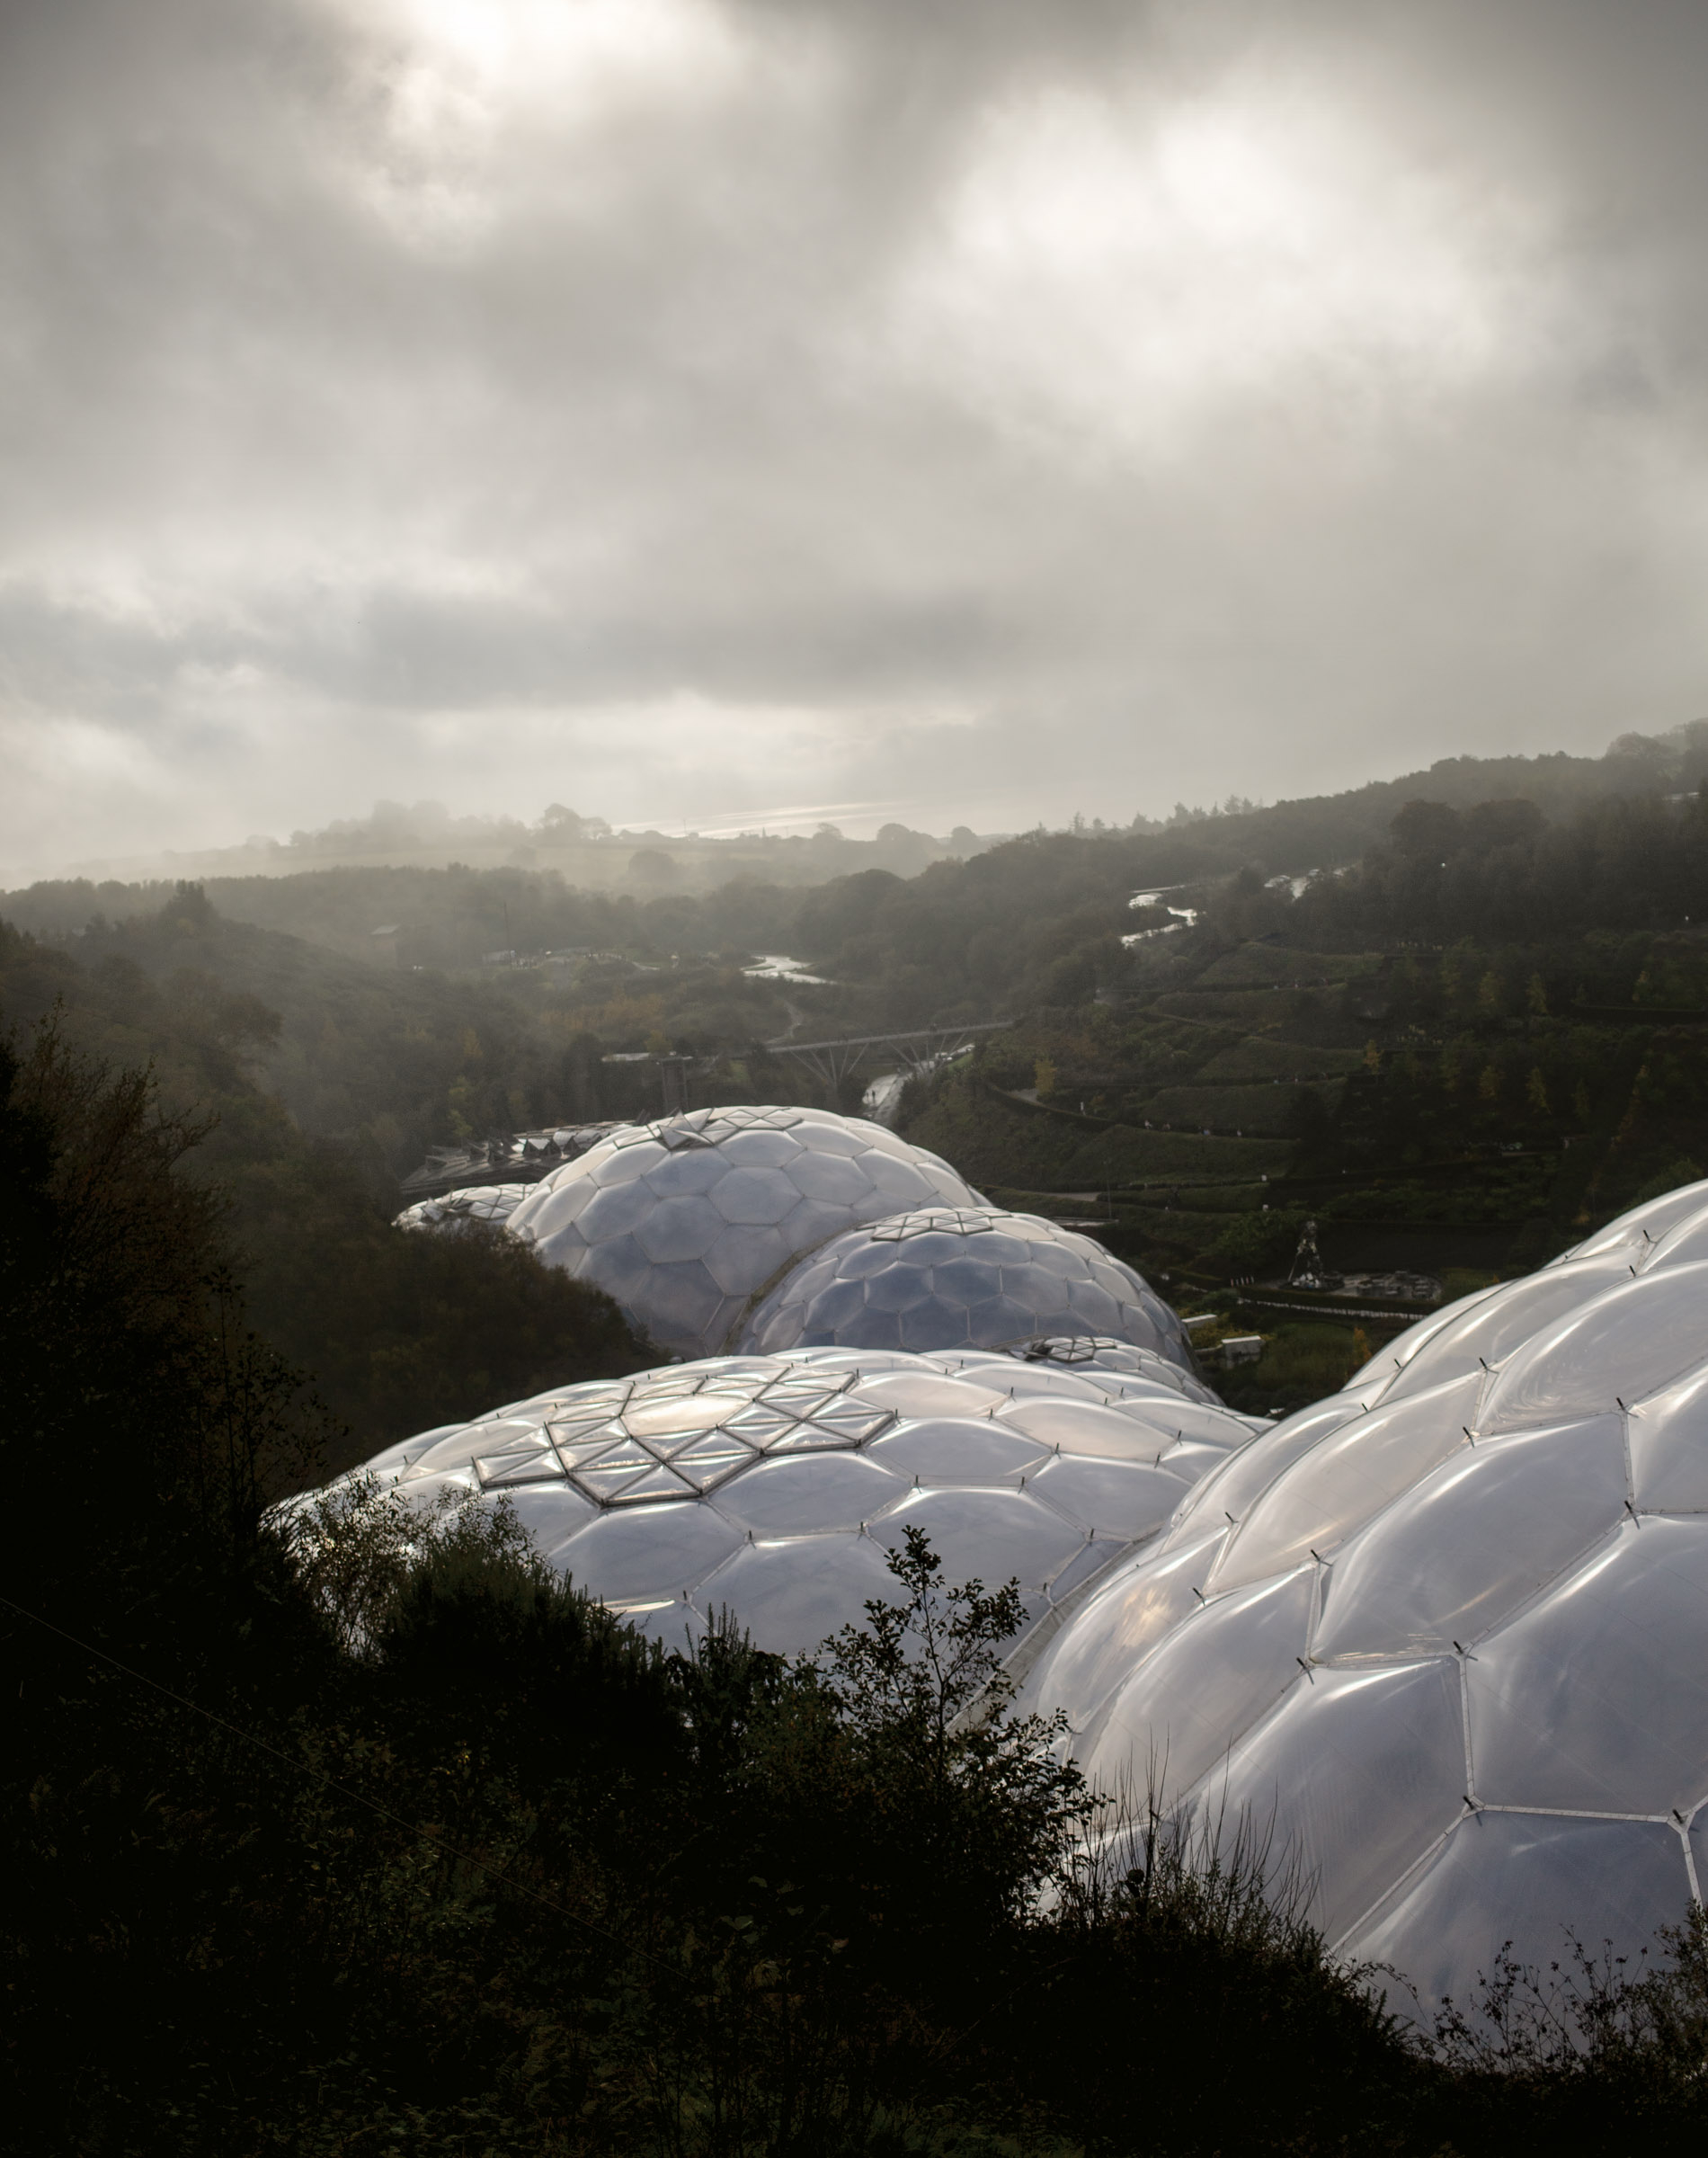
(683, 1222)
(1440, 1636)
(774, 1487)
(489, 1204)
(958, 1277)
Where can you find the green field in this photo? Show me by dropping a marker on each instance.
(1303, 1016)
(1256, 1111)
(1256, 1058)
(1121, 1155)
(1262, 966)
(992, 1141)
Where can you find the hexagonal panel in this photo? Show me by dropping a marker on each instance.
(1122, 1498)
(644, 1550)
(1595, 1698)
(1525, 1878)
(792, 1593)
(679, 1228)
(1353, 1779)
(809, 1494)
(991, 1534)
(958, 1450)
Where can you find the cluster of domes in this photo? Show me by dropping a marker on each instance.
(1437, 1640)
(683, 1222)
(769, 1229)
(773, 1487)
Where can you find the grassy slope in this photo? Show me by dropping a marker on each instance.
(1263, 1110)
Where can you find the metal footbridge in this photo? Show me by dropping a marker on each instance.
(917, 1051)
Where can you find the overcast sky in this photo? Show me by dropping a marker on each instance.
(958, 411)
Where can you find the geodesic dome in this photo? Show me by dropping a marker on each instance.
(491, 1205)
(960, 1277)
(774, 1487)
(684, 1221)
(1441, 1637)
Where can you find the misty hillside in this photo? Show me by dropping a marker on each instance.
(1455, 1049)
(258, 882)
(587, 852)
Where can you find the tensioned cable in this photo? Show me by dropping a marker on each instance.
(331, 1783)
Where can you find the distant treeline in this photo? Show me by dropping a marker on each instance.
(394, 1333)
(1576, 841)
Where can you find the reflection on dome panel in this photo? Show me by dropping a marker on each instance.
(836, 1179)
(1124, 1618)
(1625, 1343)
(1478, 1536)
(690, 1173)
(1668, 1439)
(806, 1496)
(1353, 1779)
(1596, 1697)
(1127, 1499)
(1087, 1428)
(1202, 1688)
(551, 1515)
(791, 1596)
(643, 1550)
(946, 1450)
(990, 1535)
(1346, 1478)
(679, 1228)
(1493, 1324)
(1526, 1878)
(1235, 1490)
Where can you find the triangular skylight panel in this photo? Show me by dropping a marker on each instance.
(807, 1438)
(573, 1427)
(502, 1469)
(665, 1390)
(712, 1459)
(849, 1421)
(607, 1485)
(761, 1422)
(626, 1454)
(800, 1401)
(671, 1444)
(659, 1485)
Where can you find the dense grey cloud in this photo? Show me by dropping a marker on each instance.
(979, 411)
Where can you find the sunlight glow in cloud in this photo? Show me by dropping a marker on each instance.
(1130, 268)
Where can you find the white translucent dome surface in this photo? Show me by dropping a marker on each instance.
(683, 1222)
(774, 1487)
(1095, 1357)
(956, 1277)
(1443, 1634)
(492, 1204)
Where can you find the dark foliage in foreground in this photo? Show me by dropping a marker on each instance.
(352, 1835)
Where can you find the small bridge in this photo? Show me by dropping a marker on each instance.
(834, 1061)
